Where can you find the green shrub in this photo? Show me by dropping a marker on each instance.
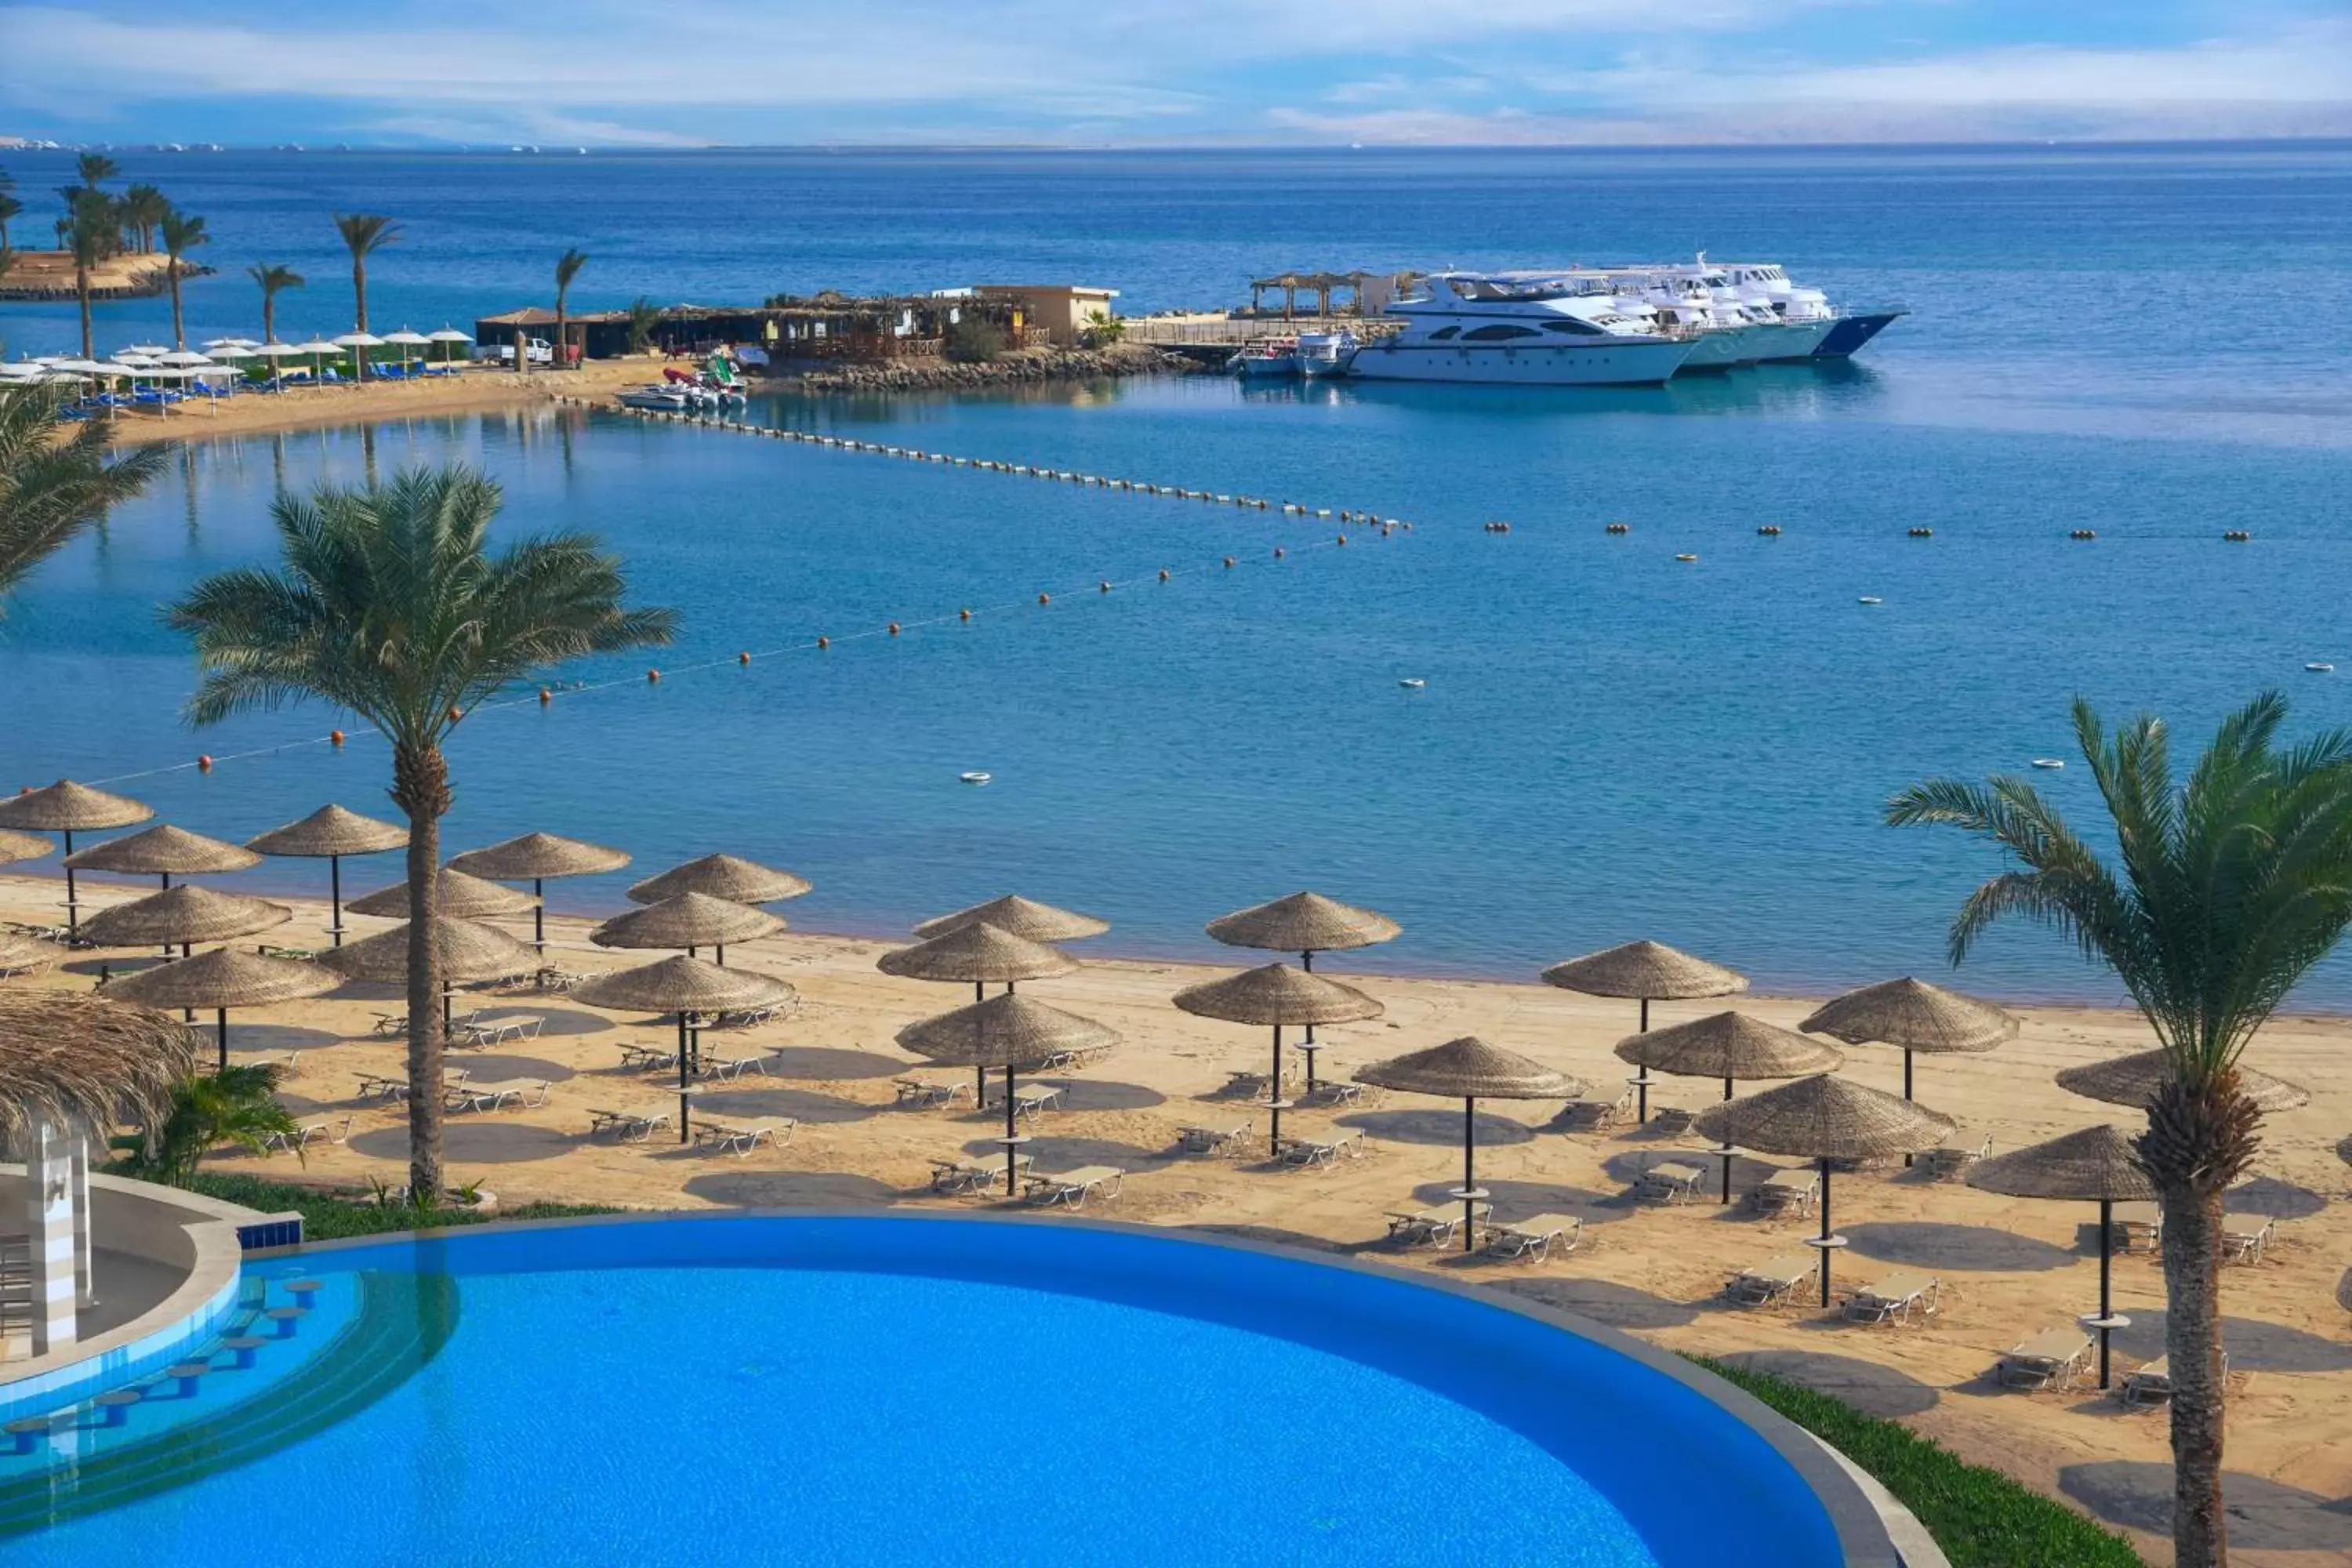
(974, 342)
(325, 1217)
(1981, 1517)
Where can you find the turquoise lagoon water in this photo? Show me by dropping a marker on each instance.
(1610, 743)
(856, 1391)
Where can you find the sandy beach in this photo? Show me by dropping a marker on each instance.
(307, 407)
(2009, 1268)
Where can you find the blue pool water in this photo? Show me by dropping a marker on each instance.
(864, 1391)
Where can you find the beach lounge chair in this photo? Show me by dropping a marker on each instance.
(1894, 1298)
(1030, 1099)
(975, 1172)
(554, 979)
(2050, 1359)
(1670, 1181)
(332, 1130)
(1672, 1121)
(2152, 1384)
(1071, 1189)
(1253, 1082)
(740, 1141)
(2137, 1226)
(627, 1126)
(742, 1018)
(727, 1069)
(1596, 1115)
(1335, 1091)
(647, 1059)
(515, 1093)
(1787, 1192)
(1771, 1280)
(497, 1031)
(1536, 1236)
(924, 1092)
(1325, 1150)
(1955, 1154)
(1210, 1140)
(1436, 1227)
(2245, 1245)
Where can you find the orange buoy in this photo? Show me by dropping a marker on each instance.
(203, 765)
(1343, 539)
(744, 657)
(545, 697)
(1044, 598)
(454, 714)
(824, 642)
(653, 675)
(963, 614)
(894, 628)
(334, 737)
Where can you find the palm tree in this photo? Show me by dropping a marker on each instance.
(54, 484)
(144, 208)
(2232, 885)
(364, 234)
(236, 1105)
(567, 267)
(183, 232)
(643, 317)
(9, 207)
(95, 168)
(273, 280)
(90, 234)
(388, 604)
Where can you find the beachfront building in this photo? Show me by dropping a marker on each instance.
(1061, 310)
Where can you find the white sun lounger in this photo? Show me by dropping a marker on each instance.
(975, 1174)
(1771, 1280)
(1211, 1140)
(1324, 1151)
(1030, 1099)
(1596, 1115)
(1536, 1236)
(1437, 1227)
(2137, 1226)
(727, 1069)
(2152, 1384)
(1894, 1298)
(520, 1093)
(2050, 1359)
(924, 1091)
(1672, 1121)
(1670, 1181)
(1071, 1189)
(740, 1141)
(332, 1130)
(1787, 1192)
(2245, 1245)
(1955, 1154)
(627, 1126)
(497, 1031)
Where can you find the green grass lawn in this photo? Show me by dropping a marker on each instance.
(330, 1218)
(1981, 1517)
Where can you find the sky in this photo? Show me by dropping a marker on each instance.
(684, 73)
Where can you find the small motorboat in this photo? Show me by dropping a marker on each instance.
(1686, 558)
(1870, 599)
(2320, 668)
(1327, 353)
(1273, 358)
(2049, 761)
(666, 399)
(973, 777)
(1412, 682)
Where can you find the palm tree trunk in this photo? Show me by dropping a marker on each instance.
(420, 786)
(269, 319)
(179, 327)
(82, 290)
(2192, 1338)
(359, 294)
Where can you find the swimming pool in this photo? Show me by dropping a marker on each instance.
(887, 1389)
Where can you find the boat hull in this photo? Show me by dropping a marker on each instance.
(1641, 362)
(1265, 368)
(1851, 331)
(1721, 348)
(1786, 341)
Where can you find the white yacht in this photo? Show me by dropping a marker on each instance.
(1682, 297)
(1519, 329)
(1327, 353)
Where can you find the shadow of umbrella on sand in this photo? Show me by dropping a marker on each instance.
(1305, 923)
(329, 834)
(1470, 1070)
(1007, 1032)
(1732, 1047)
(1648, 972)
(222, 979)
(2096, 1166)
(1825, 1119)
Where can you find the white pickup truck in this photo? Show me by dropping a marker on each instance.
(538, 349)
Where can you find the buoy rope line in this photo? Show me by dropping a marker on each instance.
(543, 696)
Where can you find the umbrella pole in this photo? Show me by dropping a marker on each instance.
(1726, 1157)
(2106, 1302)
(722, 950)
(1642, 1083)
(1306, 963)
(539, 917)
(682, 1071)
(73, 908)
(1012, 1148)
(1469, 1173)
(978, 1074)
(335, 899)
(220, 1023)
(1906, 1094)
(1825, 1233)
(166, 881)
(1274, 1098)
(187, 1014)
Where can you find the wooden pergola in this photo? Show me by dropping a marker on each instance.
(1321, 283)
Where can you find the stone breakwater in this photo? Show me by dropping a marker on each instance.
(1027, 366)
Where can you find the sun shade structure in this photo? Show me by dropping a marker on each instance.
(1008, 1032)
(1277, 994)
(1017, 916)
(728, 877)
(2132, 1080)
(2096, 1166)
(1305, 923)
(23, 953)
(1825, 1119)
(978, 952)
(329, 834)
(685, 986)
(1730, 1046)
(535, 858)
(183, 917)
(164, 852)
(1470, 1069)
(466, 952)
(222, 979)
(14, 847)
(66, 808)
(1648, 972)
(456, 897)
(688, 920)
(1913, 1016)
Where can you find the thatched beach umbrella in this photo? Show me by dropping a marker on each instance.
(1470, 1070)
(456, 897)
(1305, 923)
(539, 858)
(66, 808)
(75, 1058)
(225, 978)
(1019, 917)
(164, 852)
(1007, 1032)
(1913, 1016)
(25, 953)
(687, 921)
(685, 986)
(979, 953)
(1277, 994)
(2133, 1079)
(1731, 1046)
(2096, 1166)
(328, 834)
(466, 952)
(1825, 1119)
(183, 917)
(15, 846)
(728, 877)
(1648, 972)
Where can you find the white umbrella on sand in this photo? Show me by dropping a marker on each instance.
(147, 349)
(447, 336)
(319, 349)
(359, 342)
(188, 357)
(406, 340)
(211, 344)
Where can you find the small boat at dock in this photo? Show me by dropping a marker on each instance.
(1269, 359)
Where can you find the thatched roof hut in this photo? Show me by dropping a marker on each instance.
(73, 1058)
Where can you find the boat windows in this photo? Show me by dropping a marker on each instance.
(1570, 324)
(1446, 332)
(1497, 334)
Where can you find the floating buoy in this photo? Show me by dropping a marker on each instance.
(1164, 573)
(744, 657)
(1229, 561)
(973, 777)
(545, 697)
(1105, 587)
(1044, 598)
(824, 642)
(203, 765)
(651, 675)
(454, 714)
(1343, 539)
(894, 628)
(1619, 528)
(1920, 532)
(334, 737)
(2049, 761)
(2237, 536)
(1685, 557)
(2084, 533)
(1769, 530)
(1277, 553)
(963, 614)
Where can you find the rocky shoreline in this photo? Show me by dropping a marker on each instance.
(1025, 367)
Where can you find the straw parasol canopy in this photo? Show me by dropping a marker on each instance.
(727, 877)
(183, 915)
(21, 953)
(163, 850)
(1304, 923)
(465, 951)
(1008, 1030)
(688, 920)
(685, 986)
(2096, 1166)
(22, 846)
(66, 806)
(1019, 917)
(330, 833)
(222, 979)
(978, 952)
(1471, 1070)
(456, 897)
(1825, 1119)
(2132, 1080)
(538, 857)
(1277, 994)
(1915, 1017)
(1648, 971)
(1730, 1045)
(70, 1059)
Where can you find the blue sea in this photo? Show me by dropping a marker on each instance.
(1610, 743)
